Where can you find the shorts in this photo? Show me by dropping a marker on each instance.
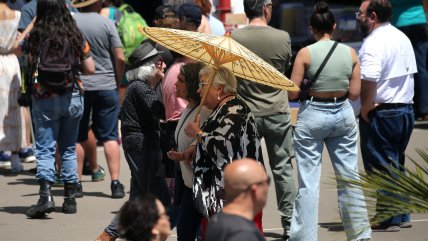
(104, 106)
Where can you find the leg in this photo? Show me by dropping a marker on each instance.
(392, 130)
(308, 146)
(188, 218)
(343, 151)
(277, 132)
(104, 117)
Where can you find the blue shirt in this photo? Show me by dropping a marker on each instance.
(407, 12)
(28, 12)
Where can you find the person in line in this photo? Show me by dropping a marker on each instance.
(387, 118)
(410, 18)
(56, 114)
(246, 185)
(270, 105)
(140, 115)
(144, 219)
(215, 26)
(327, 101)
(228, 134)
(10, 82)
(187, 86)
(101, 89)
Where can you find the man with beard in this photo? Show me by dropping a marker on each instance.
(387, 68)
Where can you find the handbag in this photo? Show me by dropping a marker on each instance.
(307, 83)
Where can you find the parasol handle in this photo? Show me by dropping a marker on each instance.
(210, 81)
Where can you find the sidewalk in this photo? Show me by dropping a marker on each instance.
(96, 208)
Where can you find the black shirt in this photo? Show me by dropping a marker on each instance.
(228, 227)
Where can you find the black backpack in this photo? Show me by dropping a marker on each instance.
(56, 73)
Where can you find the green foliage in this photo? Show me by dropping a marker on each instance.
(407, 191)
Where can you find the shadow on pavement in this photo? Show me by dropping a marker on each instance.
(333, 227)
(421, 125)
(275, 236)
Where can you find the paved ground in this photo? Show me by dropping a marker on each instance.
(18, 192)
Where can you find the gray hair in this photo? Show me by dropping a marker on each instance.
(223, 77)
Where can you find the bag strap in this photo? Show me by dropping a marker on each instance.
(324, 63)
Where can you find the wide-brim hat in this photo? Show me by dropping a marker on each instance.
(141, 54)
(82, 3)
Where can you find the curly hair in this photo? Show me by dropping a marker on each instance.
(55, 22)
(190, 72)
(137, 218)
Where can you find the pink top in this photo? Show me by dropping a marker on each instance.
(173, 105)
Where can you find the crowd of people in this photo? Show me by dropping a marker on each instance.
(203, 167)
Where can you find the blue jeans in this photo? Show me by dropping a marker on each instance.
(419, 37)
(56, 121)
(383, 144)
(334, 125)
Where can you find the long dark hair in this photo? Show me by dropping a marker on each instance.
(190, 73)
(55, 22)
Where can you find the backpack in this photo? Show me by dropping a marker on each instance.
(55, 73)
(128, 26)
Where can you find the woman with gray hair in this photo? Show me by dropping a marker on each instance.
(228, 134)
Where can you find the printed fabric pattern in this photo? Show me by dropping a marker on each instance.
(230, 134)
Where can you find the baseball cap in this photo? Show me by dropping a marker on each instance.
(191, 12)
(164, 11)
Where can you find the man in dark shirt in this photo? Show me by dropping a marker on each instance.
(246, 185)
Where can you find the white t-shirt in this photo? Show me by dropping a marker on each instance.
(387, 58)
(183, 141)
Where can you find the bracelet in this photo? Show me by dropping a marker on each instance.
(198, 136)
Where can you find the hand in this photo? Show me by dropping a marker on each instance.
(175, 155)
(365, 112)
(189, 153)
(192, 127)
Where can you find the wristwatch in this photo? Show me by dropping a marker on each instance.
(199, 135)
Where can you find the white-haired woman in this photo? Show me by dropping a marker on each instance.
(228, 134)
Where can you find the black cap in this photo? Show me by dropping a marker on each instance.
(141, 54)
(191, 12)
(164, 11)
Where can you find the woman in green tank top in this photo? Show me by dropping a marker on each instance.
(326, 118)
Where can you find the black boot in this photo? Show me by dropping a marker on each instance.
(45, 204)
(69, 205)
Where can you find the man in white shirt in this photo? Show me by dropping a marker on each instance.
(387, 67)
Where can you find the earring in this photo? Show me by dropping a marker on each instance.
(218, 95)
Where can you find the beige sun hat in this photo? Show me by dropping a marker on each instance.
(82, 3)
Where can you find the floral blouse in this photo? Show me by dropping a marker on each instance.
(230, 133)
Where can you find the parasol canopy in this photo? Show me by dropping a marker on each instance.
(220, 51)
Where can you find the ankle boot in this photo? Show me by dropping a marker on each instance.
(69, 205)
(45, 204)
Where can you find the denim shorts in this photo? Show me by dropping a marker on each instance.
(104, 106)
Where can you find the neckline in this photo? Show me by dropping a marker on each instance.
(220, 103)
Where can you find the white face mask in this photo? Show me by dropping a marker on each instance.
(145, 72)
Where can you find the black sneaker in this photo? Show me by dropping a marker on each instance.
(117, 190)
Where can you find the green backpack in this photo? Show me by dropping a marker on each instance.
(128, 29)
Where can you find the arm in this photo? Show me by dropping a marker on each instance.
(355, 80)
(300, 64)
(425, 5)
(16, 49)
(368, 94)
(119, 64)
